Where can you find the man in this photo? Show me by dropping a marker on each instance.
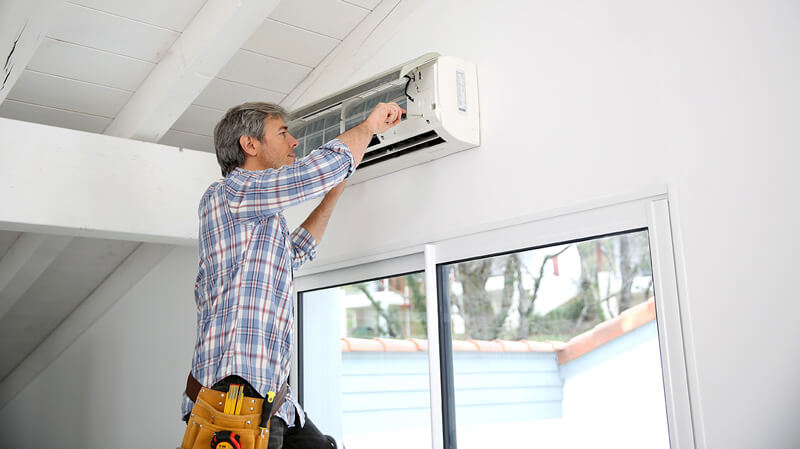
(247, 254)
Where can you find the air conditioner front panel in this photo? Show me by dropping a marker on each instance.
(440, 94)
(458, 97)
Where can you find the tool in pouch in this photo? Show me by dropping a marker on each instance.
(272, 403)
(226, 439)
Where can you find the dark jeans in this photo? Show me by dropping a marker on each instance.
(307, 437)
(281, 435)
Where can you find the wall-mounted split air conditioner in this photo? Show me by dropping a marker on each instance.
(440, 94)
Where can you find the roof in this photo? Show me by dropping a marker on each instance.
(577, 346)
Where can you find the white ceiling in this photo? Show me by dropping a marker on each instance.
(97, 53)
(94, 57)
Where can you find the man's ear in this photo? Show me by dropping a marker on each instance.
(246, 142)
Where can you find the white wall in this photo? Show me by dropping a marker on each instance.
(119, 384)
(579, 100)
(585, 99)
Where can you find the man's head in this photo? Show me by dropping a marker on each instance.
(253, 136)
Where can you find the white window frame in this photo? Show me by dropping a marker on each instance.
(589, 220)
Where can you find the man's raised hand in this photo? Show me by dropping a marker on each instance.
(384, 116)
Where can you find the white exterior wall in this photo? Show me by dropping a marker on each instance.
(614, 395)
(579, 101)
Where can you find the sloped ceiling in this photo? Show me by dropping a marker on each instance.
(89, 61)
(96, 54)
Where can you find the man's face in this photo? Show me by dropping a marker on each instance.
(277, 146)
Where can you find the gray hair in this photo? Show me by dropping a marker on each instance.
(247, 119)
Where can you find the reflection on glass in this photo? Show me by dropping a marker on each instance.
(388, 308)
(364, 362)
(557, 347)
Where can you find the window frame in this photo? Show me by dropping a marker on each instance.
(650, 212)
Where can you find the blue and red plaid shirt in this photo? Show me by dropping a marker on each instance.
(245, 305)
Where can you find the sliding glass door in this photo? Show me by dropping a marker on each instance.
(558, 332)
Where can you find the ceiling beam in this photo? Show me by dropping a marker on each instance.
(91, 185)
(23, 24)
(220, 28)
(352, 53)
(24, 262)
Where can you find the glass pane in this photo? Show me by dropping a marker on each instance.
(557, 347)
(365, 362)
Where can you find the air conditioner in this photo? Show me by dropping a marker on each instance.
(440, 94)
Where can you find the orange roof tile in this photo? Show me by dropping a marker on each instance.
(422, 345)
(487, 346)
(543, 346)
(607, 330)
(461, 345)
(363, 344)
(514, 346)
(577, 346)
(394, 345)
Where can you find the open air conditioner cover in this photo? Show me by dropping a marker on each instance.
(440, 94)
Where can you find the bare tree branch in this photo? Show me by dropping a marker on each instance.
(378, 308)
(526, 309)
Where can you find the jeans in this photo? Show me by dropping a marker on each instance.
(282, 436)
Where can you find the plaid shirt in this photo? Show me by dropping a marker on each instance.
(245, 307)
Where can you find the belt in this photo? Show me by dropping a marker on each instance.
(193, 387)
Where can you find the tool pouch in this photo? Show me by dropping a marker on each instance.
(207, 418)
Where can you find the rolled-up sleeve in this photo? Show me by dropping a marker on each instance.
(263, 193)
(304, 247)
(340, 147)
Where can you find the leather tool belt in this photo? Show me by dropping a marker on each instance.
(207, 418)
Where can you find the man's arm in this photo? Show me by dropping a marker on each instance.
(317, 220)
(383, 117)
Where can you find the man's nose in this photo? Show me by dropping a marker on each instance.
(294, 142)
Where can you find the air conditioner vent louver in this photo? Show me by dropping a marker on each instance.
(440, 94)
(394, 150)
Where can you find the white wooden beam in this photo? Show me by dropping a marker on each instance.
(60, 181)
(24, 262)
(358, 47)
(114, 287)
(220, 28)
(23, 24)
